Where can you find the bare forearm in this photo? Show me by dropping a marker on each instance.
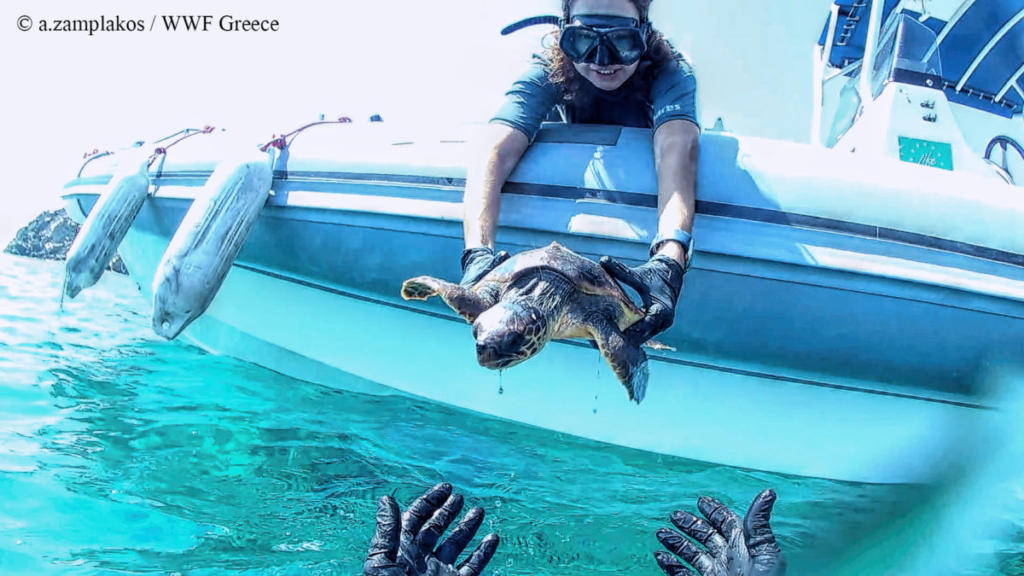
(501, 148)
(676, 145)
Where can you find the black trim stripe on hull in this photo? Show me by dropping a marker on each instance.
(655, 357)
(637, 199)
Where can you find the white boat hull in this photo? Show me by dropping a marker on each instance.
(698, 412)
(836, 328)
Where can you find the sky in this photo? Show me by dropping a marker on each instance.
(418, 64)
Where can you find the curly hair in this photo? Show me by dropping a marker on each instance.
(659, 51)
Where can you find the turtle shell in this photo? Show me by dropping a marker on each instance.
(590, 278)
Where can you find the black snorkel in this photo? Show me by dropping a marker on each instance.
(531, 21)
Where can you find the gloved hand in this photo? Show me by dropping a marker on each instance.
(658, 282)
(405, 546)
(734, 547)
(477, 262)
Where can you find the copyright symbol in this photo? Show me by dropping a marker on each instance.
(24, 23)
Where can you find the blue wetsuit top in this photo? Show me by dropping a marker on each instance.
(672, 95)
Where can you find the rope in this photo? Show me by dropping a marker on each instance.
(186, 134)
(95, 152)
(281, 142)
(90, 156)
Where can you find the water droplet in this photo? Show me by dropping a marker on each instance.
(166, 325)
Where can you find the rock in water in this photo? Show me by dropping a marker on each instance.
(49, 237)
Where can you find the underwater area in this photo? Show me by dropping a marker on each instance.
(121, 453)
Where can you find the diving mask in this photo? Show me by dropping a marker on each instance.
(598, 39)
(604, 40)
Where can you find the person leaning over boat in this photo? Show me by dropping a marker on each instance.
(608, 67)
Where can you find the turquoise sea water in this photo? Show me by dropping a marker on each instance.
(121, 454)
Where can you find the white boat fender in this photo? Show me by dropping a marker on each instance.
(107, 224)
(209, 238)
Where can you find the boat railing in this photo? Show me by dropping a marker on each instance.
(836, 36)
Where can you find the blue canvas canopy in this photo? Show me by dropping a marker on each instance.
(981, 48)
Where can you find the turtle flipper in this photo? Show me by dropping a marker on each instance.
(629, 362)
(466, 302)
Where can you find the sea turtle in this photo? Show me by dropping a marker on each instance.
(541, 294)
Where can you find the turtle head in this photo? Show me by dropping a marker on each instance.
(508, 333)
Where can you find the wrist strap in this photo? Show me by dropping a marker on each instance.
(678, 235)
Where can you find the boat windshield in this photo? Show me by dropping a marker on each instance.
(905, 55)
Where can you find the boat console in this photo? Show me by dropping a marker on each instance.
(921, 89)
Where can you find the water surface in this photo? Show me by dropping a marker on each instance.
(124, 454)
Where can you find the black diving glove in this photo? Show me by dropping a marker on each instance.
(658, 282)
(477, 262)
(731, 546)
(405, 546)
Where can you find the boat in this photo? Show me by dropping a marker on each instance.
(850, 303)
